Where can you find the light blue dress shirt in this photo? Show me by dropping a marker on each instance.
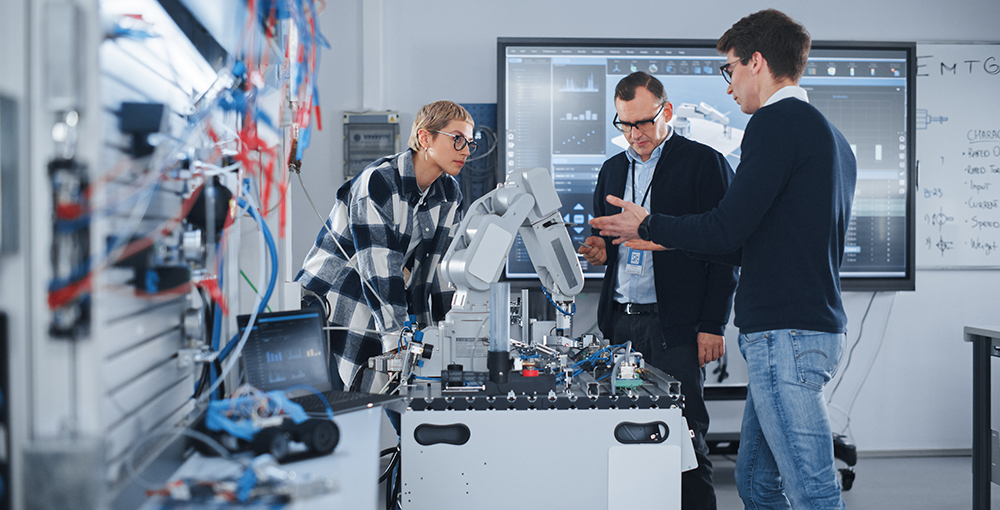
(638, 288)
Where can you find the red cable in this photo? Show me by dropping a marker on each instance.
(60, 297)
(212, 286)
(282, 212)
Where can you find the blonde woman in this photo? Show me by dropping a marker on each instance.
(393, 222)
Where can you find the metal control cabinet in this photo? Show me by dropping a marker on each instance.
(562, 451)
(367, 137)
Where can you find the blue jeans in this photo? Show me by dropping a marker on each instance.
(786, 445)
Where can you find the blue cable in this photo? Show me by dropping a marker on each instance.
(272, 248)
(399, 341)
(217, 328)
(216, 334)
(591, 359)
(574, 374)
(272, 281)
(564, 312)
(229, 347)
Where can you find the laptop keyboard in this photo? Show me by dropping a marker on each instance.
(341, 401)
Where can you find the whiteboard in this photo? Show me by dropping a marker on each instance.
(958, 156)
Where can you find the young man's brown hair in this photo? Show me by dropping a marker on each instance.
(782, 41)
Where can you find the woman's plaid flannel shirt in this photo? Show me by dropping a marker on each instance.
(373, 220)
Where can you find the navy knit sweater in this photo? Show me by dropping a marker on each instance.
(788, 208)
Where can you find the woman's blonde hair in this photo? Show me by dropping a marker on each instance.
(434, 117)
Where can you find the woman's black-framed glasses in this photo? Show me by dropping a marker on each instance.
(625, 127)
(461, 142)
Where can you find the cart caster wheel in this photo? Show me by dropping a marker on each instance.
(846, 478)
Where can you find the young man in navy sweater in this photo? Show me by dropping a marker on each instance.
(788, 208)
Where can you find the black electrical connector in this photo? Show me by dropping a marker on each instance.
(141, 120)
(150, 278)
(197, 215)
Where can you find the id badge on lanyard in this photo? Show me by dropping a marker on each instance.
(633, 264)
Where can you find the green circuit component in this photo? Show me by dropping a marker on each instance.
(628, 383)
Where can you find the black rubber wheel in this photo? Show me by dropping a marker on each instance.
(322, 436)
(846, 479)
(271, 440)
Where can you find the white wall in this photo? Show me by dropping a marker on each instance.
(918, 395)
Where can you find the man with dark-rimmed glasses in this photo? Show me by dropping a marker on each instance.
(788, 208)
(672, 307)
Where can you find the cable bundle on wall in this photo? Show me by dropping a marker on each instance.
(195, 145)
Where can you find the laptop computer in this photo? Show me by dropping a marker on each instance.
(287, 350)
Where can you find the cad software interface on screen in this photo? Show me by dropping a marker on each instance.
(558, 107)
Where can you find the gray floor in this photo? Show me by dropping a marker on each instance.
(912, 483)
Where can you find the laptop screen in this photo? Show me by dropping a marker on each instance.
(285, 349)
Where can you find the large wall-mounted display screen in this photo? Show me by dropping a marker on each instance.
(556, 103)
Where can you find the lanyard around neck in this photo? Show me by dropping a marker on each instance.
(663, 153)
(648, 187)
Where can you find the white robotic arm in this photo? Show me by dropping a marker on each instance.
(526, 203)
(698, 111)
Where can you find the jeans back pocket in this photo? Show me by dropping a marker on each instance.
(817, 356)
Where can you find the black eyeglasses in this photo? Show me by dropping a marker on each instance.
(461, 142)
(727, 69)
(625, 127)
